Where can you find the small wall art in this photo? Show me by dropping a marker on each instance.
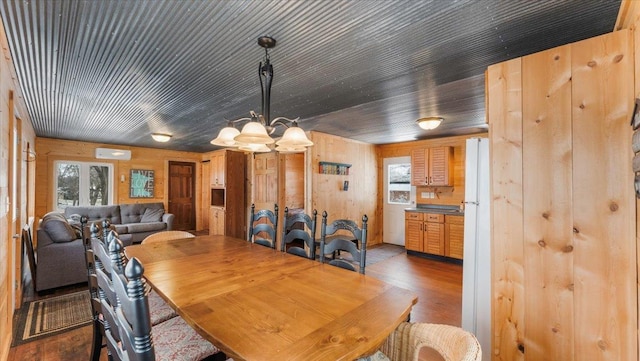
(142, 183)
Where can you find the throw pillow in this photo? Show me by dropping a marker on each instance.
(57, 227)
(152, 215)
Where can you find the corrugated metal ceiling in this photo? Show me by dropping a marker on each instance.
(116, 71)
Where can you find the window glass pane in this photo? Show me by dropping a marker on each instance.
(99, 185)
(68, 183)
(399, 184)
(83, 184)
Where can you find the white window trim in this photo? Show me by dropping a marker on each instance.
(84, 179)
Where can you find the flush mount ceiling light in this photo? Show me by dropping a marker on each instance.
(429, 123)
(161, 137)
(256, 134)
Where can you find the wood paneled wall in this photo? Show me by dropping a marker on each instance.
(563, 210)
(49, 150)
(326, 189)
(11, 107)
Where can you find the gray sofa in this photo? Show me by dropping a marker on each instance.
(60, 249)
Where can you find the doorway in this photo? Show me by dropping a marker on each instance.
(182, 200)
(398, 195)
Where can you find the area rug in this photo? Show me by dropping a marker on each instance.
(382, 252)
(378, 253)
(50, 316)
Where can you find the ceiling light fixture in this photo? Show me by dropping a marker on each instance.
(161, 137)
(256, 134)
(429, 123)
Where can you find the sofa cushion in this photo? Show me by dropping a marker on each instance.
(146, 227)
(58, 228)
(152, 215)
(96, 213)
(132, 213)
(120, 228)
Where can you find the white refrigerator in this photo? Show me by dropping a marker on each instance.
(476, 271)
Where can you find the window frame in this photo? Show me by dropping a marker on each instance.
(83, 177)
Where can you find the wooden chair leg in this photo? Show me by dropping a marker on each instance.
(96, 344)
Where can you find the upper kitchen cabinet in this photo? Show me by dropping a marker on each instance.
(217, 167)
(431, 166)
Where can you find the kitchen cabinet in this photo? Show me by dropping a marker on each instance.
(413, 230)
(431, 166)
(216, 221)
(217, 168)
(454, 236)
(227, 212)
(435, 233)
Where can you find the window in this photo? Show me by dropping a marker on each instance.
(399, 184)
(82, 184)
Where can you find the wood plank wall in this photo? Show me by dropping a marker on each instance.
(563, 211)
(49, 150)
(504, 112)
(326, 189)
(9, 281)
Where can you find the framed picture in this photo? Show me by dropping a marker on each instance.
(142, 182)
(635, 120)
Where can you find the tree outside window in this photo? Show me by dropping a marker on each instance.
(81, 183)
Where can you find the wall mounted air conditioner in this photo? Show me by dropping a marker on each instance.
(107, 153)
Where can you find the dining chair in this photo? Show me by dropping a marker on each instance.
(167, 236)
(128, 331)
(344, 242)
(159, 310)
(299, 227)
(263, 226)
(450, 342)
(27, 243)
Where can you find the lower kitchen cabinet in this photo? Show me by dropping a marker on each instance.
(454, 236)
(436, 234)
(216, 221)
(434, 242)
(413, 231)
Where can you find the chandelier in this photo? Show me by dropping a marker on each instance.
(256, 134)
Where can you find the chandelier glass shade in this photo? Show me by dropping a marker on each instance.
(225, 137)
(256, 133)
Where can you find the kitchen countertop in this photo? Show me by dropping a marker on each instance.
(438, 209)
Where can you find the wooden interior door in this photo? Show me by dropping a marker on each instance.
(182, 195)
(265, 193)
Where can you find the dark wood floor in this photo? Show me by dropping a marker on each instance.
(437, 284)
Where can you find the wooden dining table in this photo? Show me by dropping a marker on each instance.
(256, 303)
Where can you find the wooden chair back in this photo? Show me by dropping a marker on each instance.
(27, 242)
(299, 227)
(166, 236)
(263, 226)
(124, 303)
(341, 242)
